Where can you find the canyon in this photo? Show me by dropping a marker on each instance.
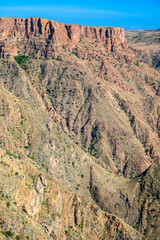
(79, 135)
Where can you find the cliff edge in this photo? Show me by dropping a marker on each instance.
(41, 37)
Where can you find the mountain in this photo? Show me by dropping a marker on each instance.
(79, 135)
(146, 45)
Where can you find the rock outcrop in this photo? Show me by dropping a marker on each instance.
(41, 37)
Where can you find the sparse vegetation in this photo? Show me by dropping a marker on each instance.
(58, 58)
(12, 155)
(8, 204)
(21, 122)
(104, 104)
(21, 60)
(27, 147)
(71, 137)
(137, 63)
(75, 53)
(7, 233)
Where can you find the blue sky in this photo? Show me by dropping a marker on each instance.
(137, 14)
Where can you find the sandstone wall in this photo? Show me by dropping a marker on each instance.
(41, 37)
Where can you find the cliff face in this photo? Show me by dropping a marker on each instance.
(36, 36)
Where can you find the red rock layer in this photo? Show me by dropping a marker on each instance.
(46, 38)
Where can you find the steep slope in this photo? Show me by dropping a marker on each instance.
(78, 111)
(33, 202)
(33, 198)
(96, 66)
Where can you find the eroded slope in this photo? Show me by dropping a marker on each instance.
(80, 118)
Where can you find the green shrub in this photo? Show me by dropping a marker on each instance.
(58, 58)
(71, 137)
(21, 60)
(27, 147)
(7, 234)
(66, 232)
(8, 204)
(29, 156)
(134, 226)
(137, 63)
(48, 91)
(11, 154)
(21, 122)
(75, 53)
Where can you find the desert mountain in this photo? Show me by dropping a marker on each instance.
(146, 45)
(79, 135)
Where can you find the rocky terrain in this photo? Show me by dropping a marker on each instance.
(146, 45)
(79, 135)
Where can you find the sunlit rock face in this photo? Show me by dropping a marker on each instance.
(41, 37)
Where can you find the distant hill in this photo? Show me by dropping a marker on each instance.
(147, 45)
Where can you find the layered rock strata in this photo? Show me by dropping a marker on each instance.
(41, 37)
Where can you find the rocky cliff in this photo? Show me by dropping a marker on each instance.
(41, 37)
